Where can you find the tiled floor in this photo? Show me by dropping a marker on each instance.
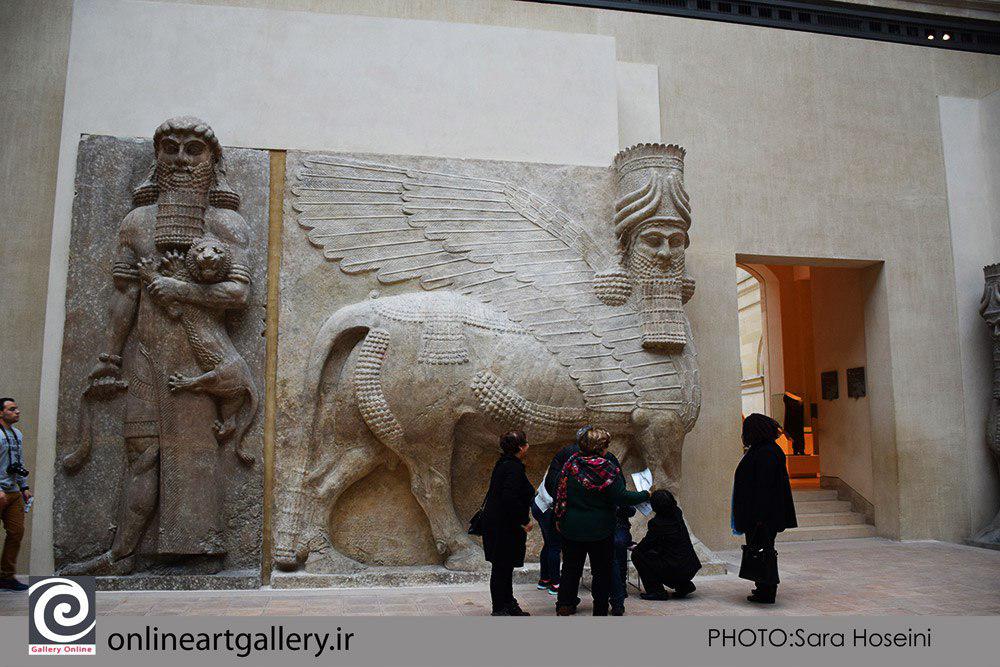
(837, 577)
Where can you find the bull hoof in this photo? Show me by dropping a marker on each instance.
(330, 561)
(467, 559)
(286, 561)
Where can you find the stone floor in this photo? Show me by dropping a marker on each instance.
(835, 577)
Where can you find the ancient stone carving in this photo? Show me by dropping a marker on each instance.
(180, 271)
(989, 308)
(523, 318)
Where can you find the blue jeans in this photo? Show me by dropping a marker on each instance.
(619, 564)
(549, 558)
(619, 573)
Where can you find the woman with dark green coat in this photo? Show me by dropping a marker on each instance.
(590, 487)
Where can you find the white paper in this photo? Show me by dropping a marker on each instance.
(643, 480)
(542, 499)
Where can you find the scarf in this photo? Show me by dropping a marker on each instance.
(594, 473)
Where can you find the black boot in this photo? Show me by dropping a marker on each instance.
(514, 609)
(684, 590)
(763, 594)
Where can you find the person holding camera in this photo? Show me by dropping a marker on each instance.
(14, 492)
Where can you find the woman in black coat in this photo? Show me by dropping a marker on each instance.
(665, 556)
(506, 522)
(762, 504)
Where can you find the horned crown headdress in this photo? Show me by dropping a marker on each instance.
(650, 185)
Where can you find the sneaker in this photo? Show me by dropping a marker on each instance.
(12, 584)
(542, 584)
(553, 589)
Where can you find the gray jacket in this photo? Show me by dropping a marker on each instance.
(11, 449)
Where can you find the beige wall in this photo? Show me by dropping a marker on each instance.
(971, 134)
(34, 41)
(843, 426)
(800, 145)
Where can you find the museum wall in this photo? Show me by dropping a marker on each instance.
(34, 42)
(796, 333)
(799, 145)
(843, 426)
(971, 135)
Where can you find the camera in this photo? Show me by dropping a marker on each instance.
(17, 469)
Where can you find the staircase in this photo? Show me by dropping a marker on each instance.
(822, 517)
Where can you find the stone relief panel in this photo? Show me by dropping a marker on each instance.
(989, 308)
(428, 305)
(160, 433)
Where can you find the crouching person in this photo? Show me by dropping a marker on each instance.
(665, 556)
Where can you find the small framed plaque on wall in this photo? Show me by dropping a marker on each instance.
(830, 385)
(856, 382)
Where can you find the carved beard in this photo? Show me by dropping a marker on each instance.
(661, 312)
(180, 207)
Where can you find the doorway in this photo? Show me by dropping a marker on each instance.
(803, 362)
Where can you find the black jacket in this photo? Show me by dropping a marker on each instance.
(508, 502)
(761, 491)
(667, 547)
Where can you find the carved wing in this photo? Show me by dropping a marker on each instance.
(490, 240)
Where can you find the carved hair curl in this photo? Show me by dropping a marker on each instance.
(195, 126)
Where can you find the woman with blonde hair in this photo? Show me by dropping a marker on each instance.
(590, 487)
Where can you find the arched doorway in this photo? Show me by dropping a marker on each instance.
(754, 390)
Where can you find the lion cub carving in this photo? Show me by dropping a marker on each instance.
(225, 374)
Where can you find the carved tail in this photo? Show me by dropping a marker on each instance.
(248, 411)
(294, 500)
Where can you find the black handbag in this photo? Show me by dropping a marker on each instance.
(759, 564)
(476, 522)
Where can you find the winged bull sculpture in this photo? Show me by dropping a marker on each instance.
(524, 320)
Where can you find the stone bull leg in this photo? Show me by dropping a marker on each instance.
(353, 463)
(346, 465)
(430, 481)
(661, 439)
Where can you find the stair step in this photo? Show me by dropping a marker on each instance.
(822, 506)
(826, 533)
(830, 519)
(806, 495)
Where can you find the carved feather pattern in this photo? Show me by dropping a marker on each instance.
(495, 242)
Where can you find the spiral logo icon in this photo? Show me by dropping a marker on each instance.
(61, 612)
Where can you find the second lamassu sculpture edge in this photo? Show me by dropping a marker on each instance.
(524, 319)
(989, 309)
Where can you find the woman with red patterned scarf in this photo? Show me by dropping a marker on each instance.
(590, 486)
